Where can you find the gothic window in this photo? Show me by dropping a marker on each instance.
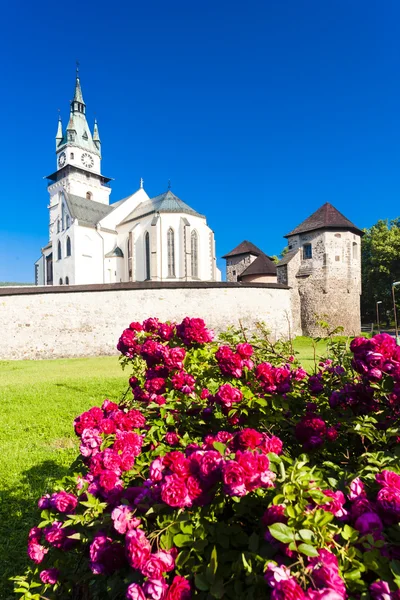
(67, 281)
(355, 251)
(68, 246)
(147, 253)
(62, 216)
(129, 257)
(89, 195)
(58, 225)
(194, 243)
(67, 222)
(171, 252)
(307, 251)
(60, 282)
(59, 251)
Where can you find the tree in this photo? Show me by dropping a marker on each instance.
(380, 267)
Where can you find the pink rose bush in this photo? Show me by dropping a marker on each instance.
(228, 471)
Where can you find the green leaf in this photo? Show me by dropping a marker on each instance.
(220, 447)
(254, 540)
(201, 582)
(217, 588)
(306, 535)
(308, 550)
(281, 532)
(182, 539)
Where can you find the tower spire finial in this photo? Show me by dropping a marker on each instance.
(77, 68)
(169, 184)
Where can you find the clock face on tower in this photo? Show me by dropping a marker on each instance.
(61, 159)
(87, 160)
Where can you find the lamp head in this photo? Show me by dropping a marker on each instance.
(379, 302)
(395, 283)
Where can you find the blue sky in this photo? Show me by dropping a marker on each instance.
(258, 112)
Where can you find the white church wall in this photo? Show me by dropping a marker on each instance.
(89, 256)
(92, 320)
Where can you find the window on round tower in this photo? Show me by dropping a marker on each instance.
(355, 251)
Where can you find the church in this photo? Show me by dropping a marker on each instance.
(137, 238)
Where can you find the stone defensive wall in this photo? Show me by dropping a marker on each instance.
(87, 320)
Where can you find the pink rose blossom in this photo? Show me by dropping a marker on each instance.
(155, 589)
(49, 576)
(135, 592)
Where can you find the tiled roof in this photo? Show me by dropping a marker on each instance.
(326, 217)
(88, 212)
(164, 203)
(262, 265)
(287, 258)
(244, 248)
(116, 252)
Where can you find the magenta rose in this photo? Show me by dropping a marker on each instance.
(137, 547)
(155, 588)
(49, 576)
(63, 502)
(234, 478)
(287, 589)
(174, 492)
(228, 395)
(36, 552)
(179, 589)
(135, 592)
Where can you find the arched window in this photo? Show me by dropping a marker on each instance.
(147, 253)
(71, 156)
(59, 256)
(67, 281)
(58, 225)
(68, 246)
(89, 195)
(355, 251)
(62, 216)
(60, 281)
(194, 243)
(67, 221)
(171, 252)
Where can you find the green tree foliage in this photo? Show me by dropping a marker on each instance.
(380, 266)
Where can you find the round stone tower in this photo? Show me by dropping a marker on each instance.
(323, 269)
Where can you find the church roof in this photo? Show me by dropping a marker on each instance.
(287, 258)
(326, 217)
(88, 212)
(262, 265)
(244, 248)
(116, 252)
(164, 203)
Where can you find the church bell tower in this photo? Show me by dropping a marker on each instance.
(78, 156)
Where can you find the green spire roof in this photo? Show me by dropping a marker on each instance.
(96, 136)
(78, 91)
(59, 134)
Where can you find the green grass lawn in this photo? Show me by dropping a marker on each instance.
(39, 401)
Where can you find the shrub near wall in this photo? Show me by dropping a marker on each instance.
(229, 472)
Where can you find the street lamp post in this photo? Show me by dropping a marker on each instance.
(377, 315)
(396, 283)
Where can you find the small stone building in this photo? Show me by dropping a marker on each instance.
(248, 263)
(323, 270)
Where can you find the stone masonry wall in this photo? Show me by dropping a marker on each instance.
(329, 284)
(55, 322)
(235, 265)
